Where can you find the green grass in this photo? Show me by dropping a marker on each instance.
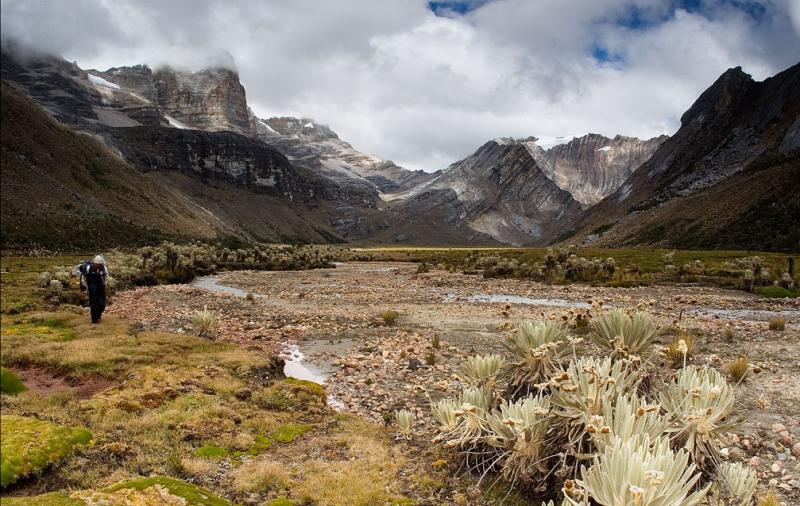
(777, 292)
(292, 395)
(192, 493)
(280, 501)
(51, 499)
(211, 452)
(10, 383)
(29, 445)
(288, 433)
(19, 280)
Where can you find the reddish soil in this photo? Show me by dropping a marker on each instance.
(44, 381)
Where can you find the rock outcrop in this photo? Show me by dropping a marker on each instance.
(593, 166)
(219, 155)
(211, 99)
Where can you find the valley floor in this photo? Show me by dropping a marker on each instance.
(333, 317)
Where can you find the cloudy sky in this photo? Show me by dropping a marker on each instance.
(424, 83)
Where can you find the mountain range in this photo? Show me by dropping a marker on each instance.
(193, 160)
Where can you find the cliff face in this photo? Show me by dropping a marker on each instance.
(593, 166)
(728, 178)
(211, 99)
(218, 155)
(499, 192)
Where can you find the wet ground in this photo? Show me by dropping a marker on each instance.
(327, 324)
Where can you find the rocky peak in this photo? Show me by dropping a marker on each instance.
(212, 99)
(721, 97)
(591, 166)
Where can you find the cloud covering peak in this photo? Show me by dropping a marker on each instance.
(424, 83)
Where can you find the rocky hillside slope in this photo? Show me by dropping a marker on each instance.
(200, 124)
(498, 194)
(63, 189)
(729, 178)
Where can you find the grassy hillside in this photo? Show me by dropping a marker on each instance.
(757, 210)
(62, 189)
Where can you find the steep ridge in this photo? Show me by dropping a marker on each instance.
(167, 109)
(320, 148)
(61, 189)
(729, 178)
(498, 194)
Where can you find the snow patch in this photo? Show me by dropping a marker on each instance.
(503, 141)
(546, 142)
(99, 81)
(175, 123)
(605, 148)
(310, 124)
(269, 128)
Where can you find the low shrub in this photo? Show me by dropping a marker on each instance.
(292, 395)
(777, 323)
(206, 322)
(389, 317)
(10, 384)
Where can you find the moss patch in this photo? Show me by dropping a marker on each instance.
(51, 499)
(10, 383)
(261, 444)
(192, 493)
(30, 445)
(211, 452)
(288, 433)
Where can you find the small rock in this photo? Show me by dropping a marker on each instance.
(414, 364)
(796, 450)
(777, 428)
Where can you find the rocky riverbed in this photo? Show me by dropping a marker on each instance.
(332, 317)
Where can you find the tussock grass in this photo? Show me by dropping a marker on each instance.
(738, 369)
(777, 323)
(260, 476)
(357, 481)
(10, 383)
(389, 317)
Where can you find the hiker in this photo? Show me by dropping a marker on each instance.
(94, 276)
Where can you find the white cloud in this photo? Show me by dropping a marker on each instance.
(400, 82)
